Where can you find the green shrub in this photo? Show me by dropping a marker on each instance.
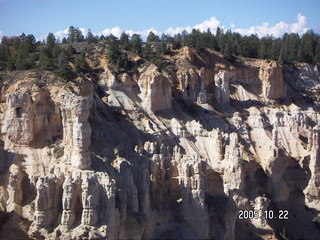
(58, 152)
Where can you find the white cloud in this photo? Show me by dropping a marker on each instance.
(84, 31)
(61, 34)
(116, 31)
(213, 23)
(278, 29)
(300, 26)
(173, 31)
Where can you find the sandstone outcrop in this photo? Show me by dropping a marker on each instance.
(101, 159)
(155, 89)
(222, 92)
(272, 81)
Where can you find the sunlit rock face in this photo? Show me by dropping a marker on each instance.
(222, 92)
(271, 75)
(155, 89)
(160, 153)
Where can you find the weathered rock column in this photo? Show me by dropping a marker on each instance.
(222, 92)
(272, 81)
(69, 201)
(76, 130)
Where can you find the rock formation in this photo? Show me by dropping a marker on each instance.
(158, 153)
(272, 81)
(155, 89)
(222, 92)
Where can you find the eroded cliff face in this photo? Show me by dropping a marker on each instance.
(159, 154)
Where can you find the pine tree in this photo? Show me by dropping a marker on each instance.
(51, 41)
(147, 51)
(228, 45)
(265, 47)
(153, 37)
(62, 66)
(3, 57)
(290, 49)
(164, 38)
(71, 34)
(46, 60)
(90, 38)
(30, 43)
(219, 35)
(177, 41)
(78, 35)
(56, 52)
(308, 45)
(102, 38)
(113, 49)
(136, 44)
(81, 64)
(124, 41)
(22, 62)
(276, 49)
(317, 52)
(164, 48)
(70, 52)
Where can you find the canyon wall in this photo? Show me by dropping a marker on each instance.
(159, 154)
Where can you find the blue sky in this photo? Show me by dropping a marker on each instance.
(104, 16)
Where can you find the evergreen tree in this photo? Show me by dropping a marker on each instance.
(164, 48)
(71, 34)
(290, 47)
(153, 37)
(136, 44)
(70, 51)
(317, 52)
(124, 41)
(276, 49)
(81, 64)
(193, 39)
(177, 41)
(205, 39)
(90, 38)
(264, 50)
(78, 35)
(22, 60)
(184, 35)
(62, 66)
(228, 45)
(102, 38)
(30, 43)
(164, 38)
(113, 49)
(219, 35)
(46, 60)
(3, 57)
(51, 41)
(56, 52)
(147, 52)
(6, 41)
(10, 62)
(307, 47)
(248, 46)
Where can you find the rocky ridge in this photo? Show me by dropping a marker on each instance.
(160, 154)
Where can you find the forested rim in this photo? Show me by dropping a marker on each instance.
(24, 52)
